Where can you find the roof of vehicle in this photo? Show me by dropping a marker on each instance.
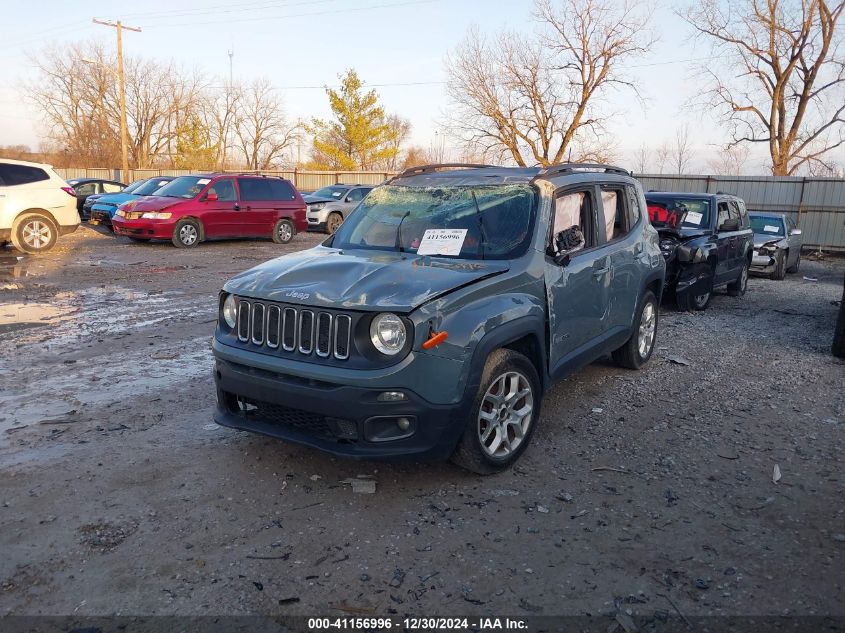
(81, 180)
(28, 163)
(220, 174)
(697, 195)
(768, 214)
(459, 174)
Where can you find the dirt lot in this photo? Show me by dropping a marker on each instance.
(119, 495)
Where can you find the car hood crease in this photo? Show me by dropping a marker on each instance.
(363, 280)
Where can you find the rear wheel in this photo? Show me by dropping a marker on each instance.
(333, 222)
(34, 233)
(738, 288)
(637, 350)
(503, 415)
(283, 232)
(187, 233)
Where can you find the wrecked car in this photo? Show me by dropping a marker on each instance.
(706, 241)
(431, 322)
(777, 244)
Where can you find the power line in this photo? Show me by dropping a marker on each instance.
(226, 8)
(295, 15)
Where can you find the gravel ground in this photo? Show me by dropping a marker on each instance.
(652, 489)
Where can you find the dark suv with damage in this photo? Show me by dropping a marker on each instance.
(707, 242)
(431, 323)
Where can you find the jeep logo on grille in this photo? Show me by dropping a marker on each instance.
(293, 294)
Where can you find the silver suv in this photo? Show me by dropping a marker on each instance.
(329, 206)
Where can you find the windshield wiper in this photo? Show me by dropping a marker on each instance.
(398, 244)
(480, 223)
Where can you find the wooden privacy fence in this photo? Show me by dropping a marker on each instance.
(816, 204)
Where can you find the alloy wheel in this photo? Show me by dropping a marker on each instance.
(648, 328)
(285, 233)
(37, 234)
(505, 414)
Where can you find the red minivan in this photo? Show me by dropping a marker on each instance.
(192, 209)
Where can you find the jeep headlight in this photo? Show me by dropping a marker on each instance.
(317, 206)
(230, 311)
(388, 333)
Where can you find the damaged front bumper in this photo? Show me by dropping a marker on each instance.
(336, 413)
(763, 261)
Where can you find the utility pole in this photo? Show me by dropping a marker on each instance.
(124, 134)
(231, 55)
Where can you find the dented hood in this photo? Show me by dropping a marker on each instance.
(359, 279)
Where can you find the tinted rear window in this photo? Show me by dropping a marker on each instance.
(282, 190)
(254, 189)
(11, 175)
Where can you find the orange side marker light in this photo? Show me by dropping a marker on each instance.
(435, 340)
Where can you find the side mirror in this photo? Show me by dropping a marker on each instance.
(731, 224)
(567, 242)
(211, 197)
(795, 232)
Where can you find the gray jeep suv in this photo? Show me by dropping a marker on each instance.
(430, 324)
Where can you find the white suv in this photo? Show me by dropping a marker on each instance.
(36, 206)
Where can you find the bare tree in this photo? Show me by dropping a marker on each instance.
(783, 77)
(527, 99)
(641, 159)
(263, 134)
(729, 161)
(681, 150)
(661, 157)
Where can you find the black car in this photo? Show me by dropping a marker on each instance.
(86, 187)
(707, 242)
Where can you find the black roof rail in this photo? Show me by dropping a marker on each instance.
(562, 168)
(430, 169)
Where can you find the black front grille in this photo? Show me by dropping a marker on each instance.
(314, 424)
(303, 331)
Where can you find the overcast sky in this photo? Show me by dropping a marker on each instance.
(303, 44)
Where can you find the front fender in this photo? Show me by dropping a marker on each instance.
(478, 327)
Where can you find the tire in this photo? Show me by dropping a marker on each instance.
(283, 232)
(838, 347)
(490, 414)
(738, 288)
(689, 301)
(638, 349)
(187, 233)
(780, 266)
(34, 233)
(794, 268)
(333, 222)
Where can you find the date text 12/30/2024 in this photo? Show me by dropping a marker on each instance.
(417, 624)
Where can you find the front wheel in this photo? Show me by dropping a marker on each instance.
(186, 233)
(503, 415)
(283, 232)
(794, 268)
(780, 266)
(638, 349)
(696, 298)
(333, 222)
(34, 233)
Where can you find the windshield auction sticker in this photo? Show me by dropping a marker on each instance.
(693, 217)
(442, 242)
